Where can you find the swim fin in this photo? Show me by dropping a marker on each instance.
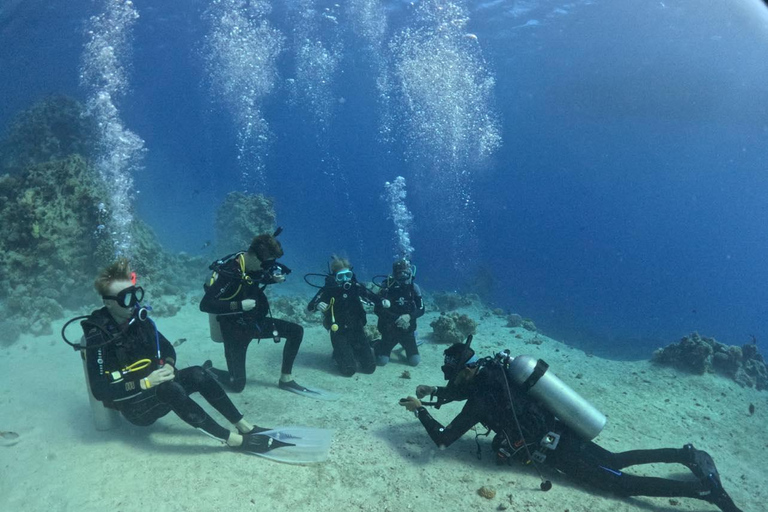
(295, 387)
(298, 445)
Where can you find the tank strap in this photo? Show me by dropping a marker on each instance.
(538, 372)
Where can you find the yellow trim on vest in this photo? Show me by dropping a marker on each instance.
(245, 277)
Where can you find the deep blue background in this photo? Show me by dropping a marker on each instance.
(626, 207)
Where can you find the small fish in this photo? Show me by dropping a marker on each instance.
(206, 245)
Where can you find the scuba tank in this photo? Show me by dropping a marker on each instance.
(104, 418)
(213, 323)
(561, 400)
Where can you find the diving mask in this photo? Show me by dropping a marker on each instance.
(344, 276)
(128, 297)
(455, 363)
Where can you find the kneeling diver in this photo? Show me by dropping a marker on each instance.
(538, 418)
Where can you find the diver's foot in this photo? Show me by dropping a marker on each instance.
(293, 386)
(255, 444)
(717, 496)
(703, 466)
(208, 367)
(255, 430)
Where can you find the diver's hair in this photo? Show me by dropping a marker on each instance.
(339, 263)
(401, 265)
(117, 271)
(266, 247)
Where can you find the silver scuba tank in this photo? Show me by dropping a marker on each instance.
(213, 323)
(104, 418)
(562, 401)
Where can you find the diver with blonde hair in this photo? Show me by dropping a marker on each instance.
(131, 367)
(340, 300)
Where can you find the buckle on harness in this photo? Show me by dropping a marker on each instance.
(548, 443)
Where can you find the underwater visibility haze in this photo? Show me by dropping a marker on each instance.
(598, 167)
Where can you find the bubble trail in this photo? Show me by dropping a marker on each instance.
(240, 53)
(445, 93)
(395, 195)
(104, 76)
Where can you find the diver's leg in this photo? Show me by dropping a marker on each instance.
(173, 394)
(699, 462)
(362, 351)
(596, 466)
(342, 353)
(145, 410)
(235, 350)
(195, 380)
(237, 338)
(408, 341)
(384, 347)
(293, 334)
(661, 455)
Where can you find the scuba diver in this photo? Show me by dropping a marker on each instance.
(131, 368)
(397, 323)
(239, 311)
(340, 301)
(539, 419)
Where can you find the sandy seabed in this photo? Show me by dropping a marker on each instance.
(381, 458)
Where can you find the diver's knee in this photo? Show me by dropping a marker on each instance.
(414, 360)
(382, 360)
(235, 385)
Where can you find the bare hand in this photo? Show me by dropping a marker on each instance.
(322, 307)
(248, 304)
(422, 391)
(410, 403)
(163, 374)
(403, 321)
(385, 303)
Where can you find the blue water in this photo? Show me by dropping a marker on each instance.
(625, 207)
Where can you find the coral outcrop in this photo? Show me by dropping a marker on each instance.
(452, 328)
(700, 354)
(294, 309)
(448, 301)
(241, 217)
(56, 233)
(51, 129)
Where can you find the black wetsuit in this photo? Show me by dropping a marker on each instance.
(142, 407)
(345, 308)
(224, 293)
(404, 299)
(487, 403)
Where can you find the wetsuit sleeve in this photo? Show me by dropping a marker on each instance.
(368, 296)
(100, 363)
(445, 436)
(381, 311)
(218, 294)
(418, 302)
(319, 297)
